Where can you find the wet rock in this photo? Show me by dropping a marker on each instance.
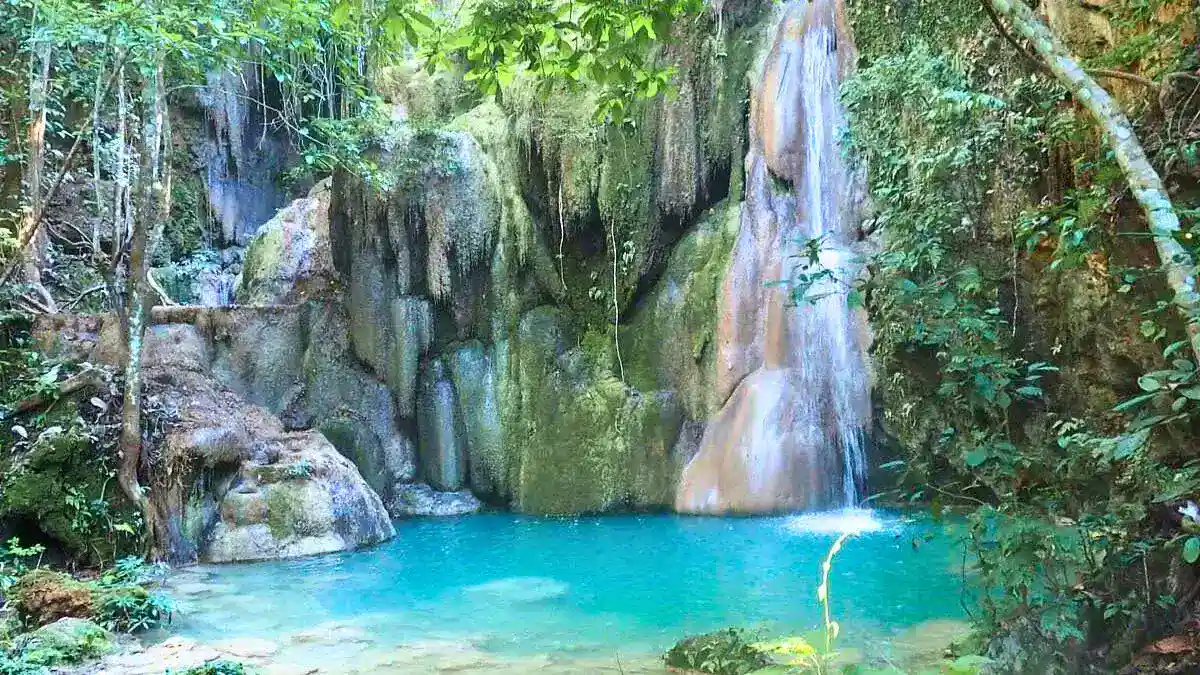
(476, 383)
(418, 499)
(671, 344)
(259, 491)
(521, 589)
(297, 362)
(244, 155)
(174, 654)
(248, 648)
(793, 375)
(306, 499)
(584, 440)
(442, 444)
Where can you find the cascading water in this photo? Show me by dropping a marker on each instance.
(793, 373)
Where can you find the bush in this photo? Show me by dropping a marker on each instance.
(218, 667)
(723, 652)
(123, 600)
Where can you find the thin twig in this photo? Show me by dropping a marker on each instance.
(81, 296)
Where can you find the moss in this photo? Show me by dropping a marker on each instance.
(43, 596)
(63, 484)
(669, 344)
(287, 513)
(577, 439)
(67, 641)
(427, 98)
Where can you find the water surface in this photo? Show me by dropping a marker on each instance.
(585, 588)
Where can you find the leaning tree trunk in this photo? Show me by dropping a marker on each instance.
(152, 186)
(1145, 182)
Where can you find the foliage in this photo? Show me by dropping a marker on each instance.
(725, 652)
(217, 667)
(58, 462)
(1072, 500)
(125, 601)
(15, 561)
(608, 45)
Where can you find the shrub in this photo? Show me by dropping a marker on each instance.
(724, 652)
(123, 600)
(218, 667)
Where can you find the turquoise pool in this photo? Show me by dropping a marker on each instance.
(588, 588)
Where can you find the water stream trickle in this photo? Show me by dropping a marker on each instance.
(791, 433)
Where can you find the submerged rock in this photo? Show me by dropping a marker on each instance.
(521, 589)
(418, 499)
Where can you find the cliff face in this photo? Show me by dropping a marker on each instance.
(538, 291)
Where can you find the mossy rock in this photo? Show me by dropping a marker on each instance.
(40, 485)
(577, 439)
(724, 652)
(67, 641)
(43, 596)
(669, 344)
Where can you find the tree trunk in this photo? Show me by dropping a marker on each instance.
(151, 190)
(35, 163)
(1145, 182)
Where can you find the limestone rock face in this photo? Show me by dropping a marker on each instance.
(418, 499)
(289, 259)
(577, 439)
(269, 493)
(243, 155)
(298, 363)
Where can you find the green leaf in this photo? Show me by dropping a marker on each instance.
(1148, 383)
(1191, 550)
(976, 457)
(1134, 402)
(1127, 444)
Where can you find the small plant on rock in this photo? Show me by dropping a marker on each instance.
(724, 652)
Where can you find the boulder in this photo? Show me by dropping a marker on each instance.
(289, 259)
(67, 640)
(418, 499)
(241, 487)
(300, 498)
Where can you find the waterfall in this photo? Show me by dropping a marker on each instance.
(793, 374)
